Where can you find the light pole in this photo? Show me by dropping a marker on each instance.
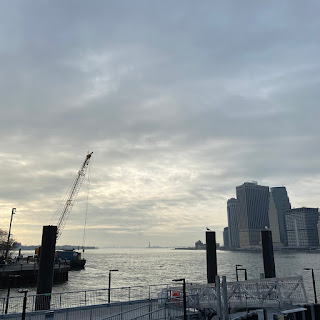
(237, 265)
(245, 273)
(184, 297)
(7, 249)
(109, 295)
(25, 291)
(314, 284)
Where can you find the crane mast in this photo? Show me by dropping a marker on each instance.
(75, 188)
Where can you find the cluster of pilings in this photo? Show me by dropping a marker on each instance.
(267, 252)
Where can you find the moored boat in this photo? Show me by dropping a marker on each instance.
(72, 257)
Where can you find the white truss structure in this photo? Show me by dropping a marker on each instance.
(260, 293)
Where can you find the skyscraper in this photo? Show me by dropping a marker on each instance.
(233, 223)
(302, 227)
(226, 238)
(278, 204)
(252, 212)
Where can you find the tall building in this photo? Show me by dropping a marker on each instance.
(226, 238)
(278, 204)
(252, 212)
(302, 227)
(233, 223)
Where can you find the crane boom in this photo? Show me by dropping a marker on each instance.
(75, 188)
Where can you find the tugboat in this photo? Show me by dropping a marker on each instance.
(72, 257)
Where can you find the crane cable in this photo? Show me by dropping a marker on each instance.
(86, 214)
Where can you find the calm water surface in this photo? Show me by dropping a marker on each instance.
(146, 266)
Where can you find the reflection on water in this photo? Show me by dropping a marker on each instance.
(146, 266)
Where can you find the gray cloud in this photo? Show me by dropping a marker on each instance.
(180, 102)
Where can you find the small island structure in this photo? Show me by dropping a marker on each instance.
(199, 245)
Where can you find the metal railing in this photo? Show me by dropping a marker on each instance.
(267, 292)
(131, 314)
(272, 292)
(23, 265)
(98, 312)
(159, 310)
(83, 298)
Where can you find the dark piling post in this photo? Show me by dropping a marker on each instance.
(211, 247)
(46, 267)
(268, 257)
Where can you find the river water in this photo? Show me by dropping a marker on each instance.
(146, 266)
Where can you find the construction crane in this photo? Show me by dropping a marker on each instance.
(74, 190)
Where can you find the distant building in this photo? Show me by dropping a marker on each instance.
(252, 212)
(199, 245)
(302, 227)
(278, 204)
(233, 223)
(226, 238)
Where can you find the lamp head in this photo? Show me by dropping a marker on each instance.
(176, 280)
(23, 290)
(14, 210)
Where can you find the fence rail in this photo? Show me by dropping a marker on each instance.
(83, 298)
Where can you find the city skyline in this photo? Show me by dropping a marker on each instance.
(179, 103)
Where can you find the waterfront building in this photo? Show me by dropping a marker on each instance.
(302, 227)
(278, 204)
(226, 238)
(252, 212)
(233, 223)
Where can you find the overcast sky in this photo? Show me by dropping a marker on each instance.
(180, 102)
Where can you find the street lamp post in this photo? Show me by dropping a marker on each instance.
(184, 297)
(7, 249)
(109, 295)
(25, 291)
(237, 265)
(314, 284)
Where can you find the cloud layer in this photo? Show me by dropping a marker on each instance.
(180, 103)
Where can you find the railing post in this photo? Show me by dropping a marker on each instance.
(258, 291)
(225, 298)
(279, 292)
(33, 303)
(3, 306)
(60, 300)
(218, 294)
(85, 297)
(129, 293)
